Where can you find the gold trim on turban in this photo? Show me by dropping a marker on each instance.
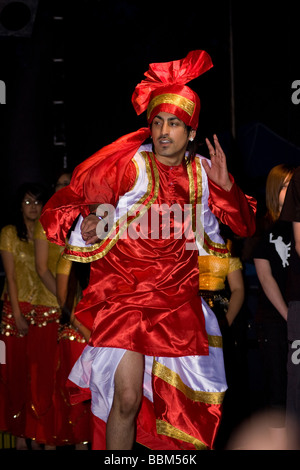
(170, 98)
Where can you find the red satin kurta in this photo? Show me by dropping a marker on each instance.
(142, 294)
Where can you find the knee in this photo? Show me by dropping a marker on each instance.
(128, 402)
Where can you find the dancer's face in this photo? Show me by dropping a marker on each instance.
(170, 138)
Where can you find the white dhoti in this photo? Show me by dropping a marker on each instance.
(182, 396)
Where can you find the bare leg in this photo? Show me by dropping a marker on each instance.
(120, 429)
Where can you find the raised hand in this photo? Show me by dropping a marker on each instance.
(217, 172)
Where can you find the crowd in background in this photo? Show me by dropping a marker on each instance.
(42, 339)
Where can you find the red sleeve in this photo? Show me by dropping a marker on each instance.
(97, 179)
(128, 178)
(233, 208)
(126, 184)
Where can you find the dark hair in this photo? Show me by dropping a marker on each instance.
(35, 190)
(59, 173)
(191, 147)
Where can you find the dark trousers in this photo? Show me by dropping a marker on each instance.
(274, 353)
(293, 364)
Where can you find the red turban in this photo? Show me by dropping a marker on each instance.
(164, 88)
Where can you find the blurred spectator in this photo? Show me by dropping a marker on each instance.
(221, 285)
(291, 213)
(20, 294)
(73, 421)
(271, 258)
(43, 351)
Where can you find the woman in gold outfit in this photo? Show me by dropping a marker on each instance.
(213, 274)
(20, 294)
(43, 351)
(221, 285)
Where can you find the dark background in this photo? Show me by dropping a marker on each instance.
(104, 48)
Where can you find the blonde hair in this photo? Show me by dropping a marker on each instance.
(275, 182)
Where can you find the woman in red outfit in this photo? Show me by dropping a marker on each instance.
(72, 421)
(43, 346)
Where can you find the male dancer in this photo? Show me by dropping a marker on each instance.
(154, 362)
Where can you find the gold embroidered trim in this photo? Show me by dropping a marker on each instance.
(124, 221)
(70, 333)
(137, 172)
(35, 318)
(168, 430)
(214, 244)
(215, 341)
(208, 245)
(173, 379)
(192, 193)
(170, 98)
(199, 180)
